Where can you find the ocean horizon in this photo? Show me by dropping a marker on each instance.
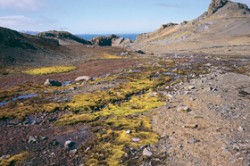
(91, 36)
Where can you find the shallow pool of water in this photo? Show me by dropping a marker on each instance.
(27, 96)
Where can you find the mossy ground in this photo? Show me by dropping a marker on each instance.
(49, 70)
(111, 113)
(15, 160)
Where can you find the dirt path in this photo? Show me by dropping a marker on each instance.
(216, 128)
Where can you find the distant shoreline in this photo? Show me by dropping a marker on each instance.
(91, 36)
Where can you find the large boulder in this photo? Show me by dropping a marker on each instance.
(104, 40)
(83, 78)
(50, 82)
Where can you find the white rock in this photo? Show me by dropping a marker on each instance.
(83, 78)
(32, 139)
(73, 152)
(136, 139)
(183, 109)
(169, 96)
(153, 94)
(190, 88)
(147, 152)
(241, 129)
(128, 132)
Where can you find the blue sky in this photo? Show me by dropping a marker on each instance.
(98, 16)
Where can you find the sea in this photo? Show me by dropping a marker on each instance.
(91, 36)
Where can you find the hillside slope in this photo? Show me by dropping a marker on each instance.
(223, 27)
(46, 49)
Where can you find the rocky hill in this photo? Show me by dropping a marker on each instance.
(47, 48)
(64, 38)
(224, 25)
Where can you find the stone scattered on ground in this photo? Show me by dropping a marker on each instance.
(50, 82)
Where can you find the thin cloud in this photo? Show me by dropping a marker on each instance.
(21, 4)
(167, 5)
(24, 23)
(244, 1)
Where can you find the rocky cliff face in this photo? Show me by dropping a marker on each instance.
(216, 5)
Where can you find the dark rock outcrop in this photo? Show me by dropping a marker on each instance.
(112, 40)
(168, 25)
(104, 40)
(63, 37)
(215, 5)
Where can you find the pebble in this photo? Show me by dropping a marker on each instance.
(147, 152)
(191, 126)
(193, 141)
(4, 157)
(241, 129)
(189, 88)
(153, 94)
(128, 132)
(136, 139)
(183, 109)
(32, 139)
(73, 152)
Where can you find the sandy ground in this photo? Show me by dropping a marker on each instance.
(215, 131)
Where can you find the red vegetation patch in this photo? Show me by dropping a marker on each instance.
(91, 68)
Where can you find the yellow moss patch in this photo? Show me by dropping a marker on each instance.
(49, 70)
(137, 104)
(20, 110)
(110, 56)
(15, 160)
(96, 100)
(119, 118)
(70, 119)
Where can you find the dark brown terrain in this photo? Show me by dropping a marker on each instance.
(176, 96)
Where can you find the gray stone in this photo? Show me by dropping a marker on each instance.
(32, 139)
(183, 109)
(73, 152)
(189, 87)
(193, 141)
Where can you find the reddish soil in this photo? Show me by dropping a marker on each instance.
(91, 68)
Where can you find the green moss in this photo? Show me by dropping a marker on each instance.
(15, 160)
